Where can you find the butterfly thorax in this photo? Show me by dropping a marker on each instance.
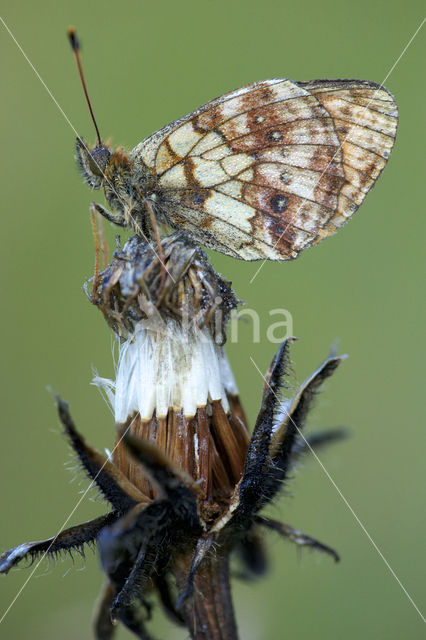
(128, 186)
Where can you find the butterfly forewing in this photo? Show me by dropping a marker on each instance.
(269, 169)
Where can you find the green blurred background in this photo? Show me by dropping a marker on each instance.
(148, 63)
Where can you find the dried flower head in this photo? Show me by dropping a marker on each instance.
(131, 289)
(186, 484)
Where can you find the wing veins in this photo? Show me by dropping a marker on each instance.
(323, 172)
(369, 151)
(271, 214)
(244, 183)
(363, 126)
(278, 191)
(244, 135)
(367, 107)
(254, 86)
(317, 185)
(268, 104)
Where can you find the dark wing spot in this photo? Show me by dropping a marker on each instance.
(278, 203)
(266, 94)
(194, 197)
(199, 197)
(200, 128)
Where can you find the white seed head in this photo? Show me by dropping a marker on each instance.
(174, 367)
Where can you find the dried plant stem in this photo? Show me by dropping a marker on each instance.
(209, 614)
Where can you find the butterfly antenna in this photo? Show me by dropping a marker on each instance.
(75, 46)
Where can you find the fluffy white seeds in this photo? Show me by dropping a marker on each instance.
(172, 367)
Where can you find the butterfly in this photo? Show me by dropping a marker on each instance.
(259, 173)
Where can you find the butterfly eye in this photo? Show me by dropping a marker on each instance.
(99, 159)
(92, 163)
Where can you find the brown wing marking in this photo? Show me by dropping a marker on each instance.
(269, 169)
(184, 134)
(366, 119)
(289, 203)
(147, 150)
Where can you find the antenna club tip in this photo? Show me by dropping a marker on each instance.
(72, 36)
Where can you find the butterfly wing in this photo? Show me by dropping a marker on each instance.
(269, 169)
(366, 120)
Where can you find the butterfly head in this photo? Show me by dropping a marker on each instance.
(93, 162)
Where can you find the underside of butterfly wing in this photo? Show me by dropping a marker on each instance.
(366, 120)
(274, 167)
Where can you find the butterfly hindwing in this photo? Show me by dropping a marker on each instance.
(366, 120)
(269, 169)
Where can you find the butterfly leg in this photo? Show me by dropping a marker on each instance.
(161, 258)
(112, 217)
(97, 248)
